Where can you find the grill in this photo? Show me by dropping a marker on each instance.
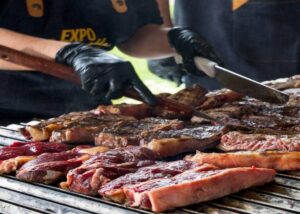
(281, 196)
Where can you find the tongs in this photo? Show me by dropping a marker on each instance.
(52, 68)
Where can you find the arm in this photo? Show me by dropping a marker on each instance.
(29, 44)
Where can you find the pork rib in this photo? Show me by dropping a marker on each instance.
(194, 186)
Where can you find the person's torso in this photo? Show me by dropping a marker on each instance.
(103, 23)
(257, 38)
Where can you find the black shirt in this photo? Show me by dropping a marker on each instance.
(103, 23)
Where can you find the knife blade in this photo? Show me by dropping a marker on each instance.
(240, 83)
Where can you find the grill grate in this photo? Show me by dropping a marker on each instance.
(280, 196)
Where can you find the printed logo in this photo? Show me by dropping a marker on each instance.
(83, 35)
(236, 4)
(35, 8)
(119, 6)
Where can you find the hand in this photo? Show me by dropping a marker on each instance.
(167, 69)
(190, 44)
(101, 73)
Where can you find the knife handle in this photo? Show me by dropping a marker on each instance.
(205, 65)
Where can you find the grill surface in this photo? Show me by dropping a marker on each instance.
(280, 196)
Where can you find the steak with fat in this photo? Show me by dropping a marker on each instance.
(113, 190)
(238, 141)
(102, 168)
(194, 186)
(280, 161)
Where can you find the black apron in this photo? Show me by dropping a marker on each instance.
(103, 23)
(259, 39)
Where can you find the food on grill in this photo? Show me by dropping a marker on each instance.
(114, 189)
(138, 111)
(280, 161)
(132, 132)
(173, 142)
(194, 186)
(74, 127)
(191, 97)
(218, 98)
(102, 168)
(238, 141)
(49, 168)
(14, 156)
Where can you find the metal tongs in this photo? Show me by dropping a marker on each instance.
(64, 72)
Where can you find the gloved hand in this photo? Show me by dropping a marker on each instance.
(167, 69)
(101, 73)
(190, 44)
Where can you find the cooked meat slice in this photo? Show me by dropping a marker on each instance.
(218, 98)
(194, 186)
(189, 96)
(51, 167)
(173, 142)
(237, 141)
(67, 126)
(102, 168)
(284, 83)
(114, 189)
(131, 132)
(138, 111)
(11, 165)
(280, 161)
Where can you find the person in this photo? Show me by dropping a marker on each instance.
(258, 39)
(79, 34)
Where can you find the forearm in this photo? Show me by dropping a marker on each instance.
(29, 44)
(148, 42)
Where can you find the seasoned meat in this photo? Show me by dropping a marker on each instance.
(102, 168)
(280, 161)
(131, 132)
(237, 141)
(194, 186)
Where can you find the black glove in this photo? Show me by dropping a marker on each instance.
(190, 44)
(101, 73)
(167, 69)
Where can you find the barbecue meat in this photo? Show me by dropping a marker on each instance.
(49, 168)
(102, 168)
(237, 141)
(138, 111)
(14, 156)
(114, 189)
(194, 186)
(131, 132)
(74, 127)
(174, 142)
(280, 161)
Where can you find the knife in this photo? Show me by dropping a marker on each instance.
(238, 83)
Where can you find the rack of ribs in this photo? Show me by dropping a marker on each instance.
(102, 168)
(194, 186)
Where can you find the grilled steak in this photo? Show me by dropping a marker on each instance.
(102, 168)
(237, 141)
(49, 168)
(194, 186)
(74, 127)
(173, 142)
(131, 132)
(114, 189)
(274, 160)
(138, 111)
